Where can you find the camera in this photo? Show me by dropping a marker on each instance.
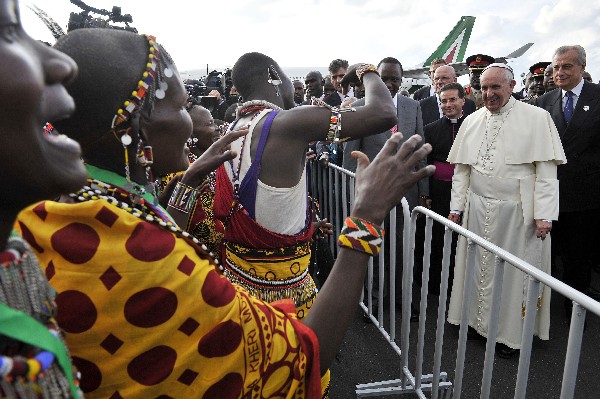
(85, 20)
(195, 88)
(209, 102)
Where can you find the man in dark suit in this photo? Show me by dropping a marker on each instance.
(409, 124)
(575, 109)
(428, 91)
(337, 70)
(430, 106)
(441, 134)
(333, 151)
(314, 86)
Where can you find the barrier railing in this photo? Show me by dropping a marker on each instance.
(334, 187)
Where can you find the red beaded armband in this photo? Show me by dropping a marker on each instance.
(360, 235)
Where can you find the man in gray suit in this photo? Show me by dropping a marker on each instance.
(409, 124)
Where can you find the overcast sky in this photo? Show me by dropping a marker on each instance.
(313, 32)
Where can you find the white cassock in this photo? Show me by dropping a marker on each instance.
(504, 179)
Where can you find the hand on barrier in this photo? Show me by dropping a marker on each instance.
(455, 217)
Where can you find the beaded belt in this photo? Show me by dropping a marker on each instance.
(271, 274)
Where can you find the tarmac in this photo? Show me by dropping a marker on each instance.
(365, 357)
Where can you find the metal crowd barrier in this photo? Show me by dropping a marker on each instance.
(334, 187)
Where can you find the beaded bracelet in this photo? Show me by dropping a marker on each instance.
(364, 68)
(335, 120)
(334, 124)
(360, 235)
(337, 138)
(184, 198)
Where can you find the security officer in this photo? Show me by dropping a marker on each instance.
(476, 64)
(536, 85)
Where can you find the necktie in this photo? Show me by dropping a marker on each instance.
(568, 111)
(395, 129)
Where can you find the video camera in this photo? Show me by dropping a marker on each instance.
(198, 94)
(85, 20)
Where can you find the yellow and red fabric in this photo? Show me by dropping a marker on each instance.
(146, 314)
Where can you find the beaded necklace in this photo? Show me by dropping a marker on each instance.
(489, 143)
(247, 108)
(146, 211)
(30, 341)
(251, 106)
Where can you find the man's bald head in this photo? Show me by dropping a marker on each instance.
(314, 84)
(442, 76)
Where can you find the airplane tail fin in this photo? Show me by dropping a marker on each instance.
(453, 47)
(520, 51)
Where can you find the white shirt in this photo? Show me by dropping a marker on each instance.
(439, 104)
(576, 93)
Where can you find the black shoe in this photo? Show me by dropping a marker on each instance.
(473, 335)
(505, 352)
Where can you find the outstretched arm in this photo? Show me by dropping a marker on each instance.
(219, 152)
(377, 115)
(380, 185)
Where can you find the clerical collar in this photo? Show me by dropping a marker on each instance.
(454, 120)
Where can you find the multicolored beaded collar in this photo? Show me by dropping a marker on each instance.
(146, 211)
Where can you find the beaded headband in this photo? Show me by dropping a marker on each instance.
(146, 84)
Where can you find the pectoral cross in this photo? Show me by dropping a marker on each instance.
(485, 157)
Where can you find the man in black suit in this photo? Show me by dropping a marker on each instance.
(430, 106)
(314, 86)
(428, 91)
(333, 151)
(575, 109)
(441, 134)
(337, 70)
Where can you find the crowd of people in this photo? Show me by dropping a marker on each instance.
(503, 160)
(150, 250)
(144, 305)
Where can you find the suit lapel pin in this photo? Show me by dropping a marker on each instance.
(586, 107)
